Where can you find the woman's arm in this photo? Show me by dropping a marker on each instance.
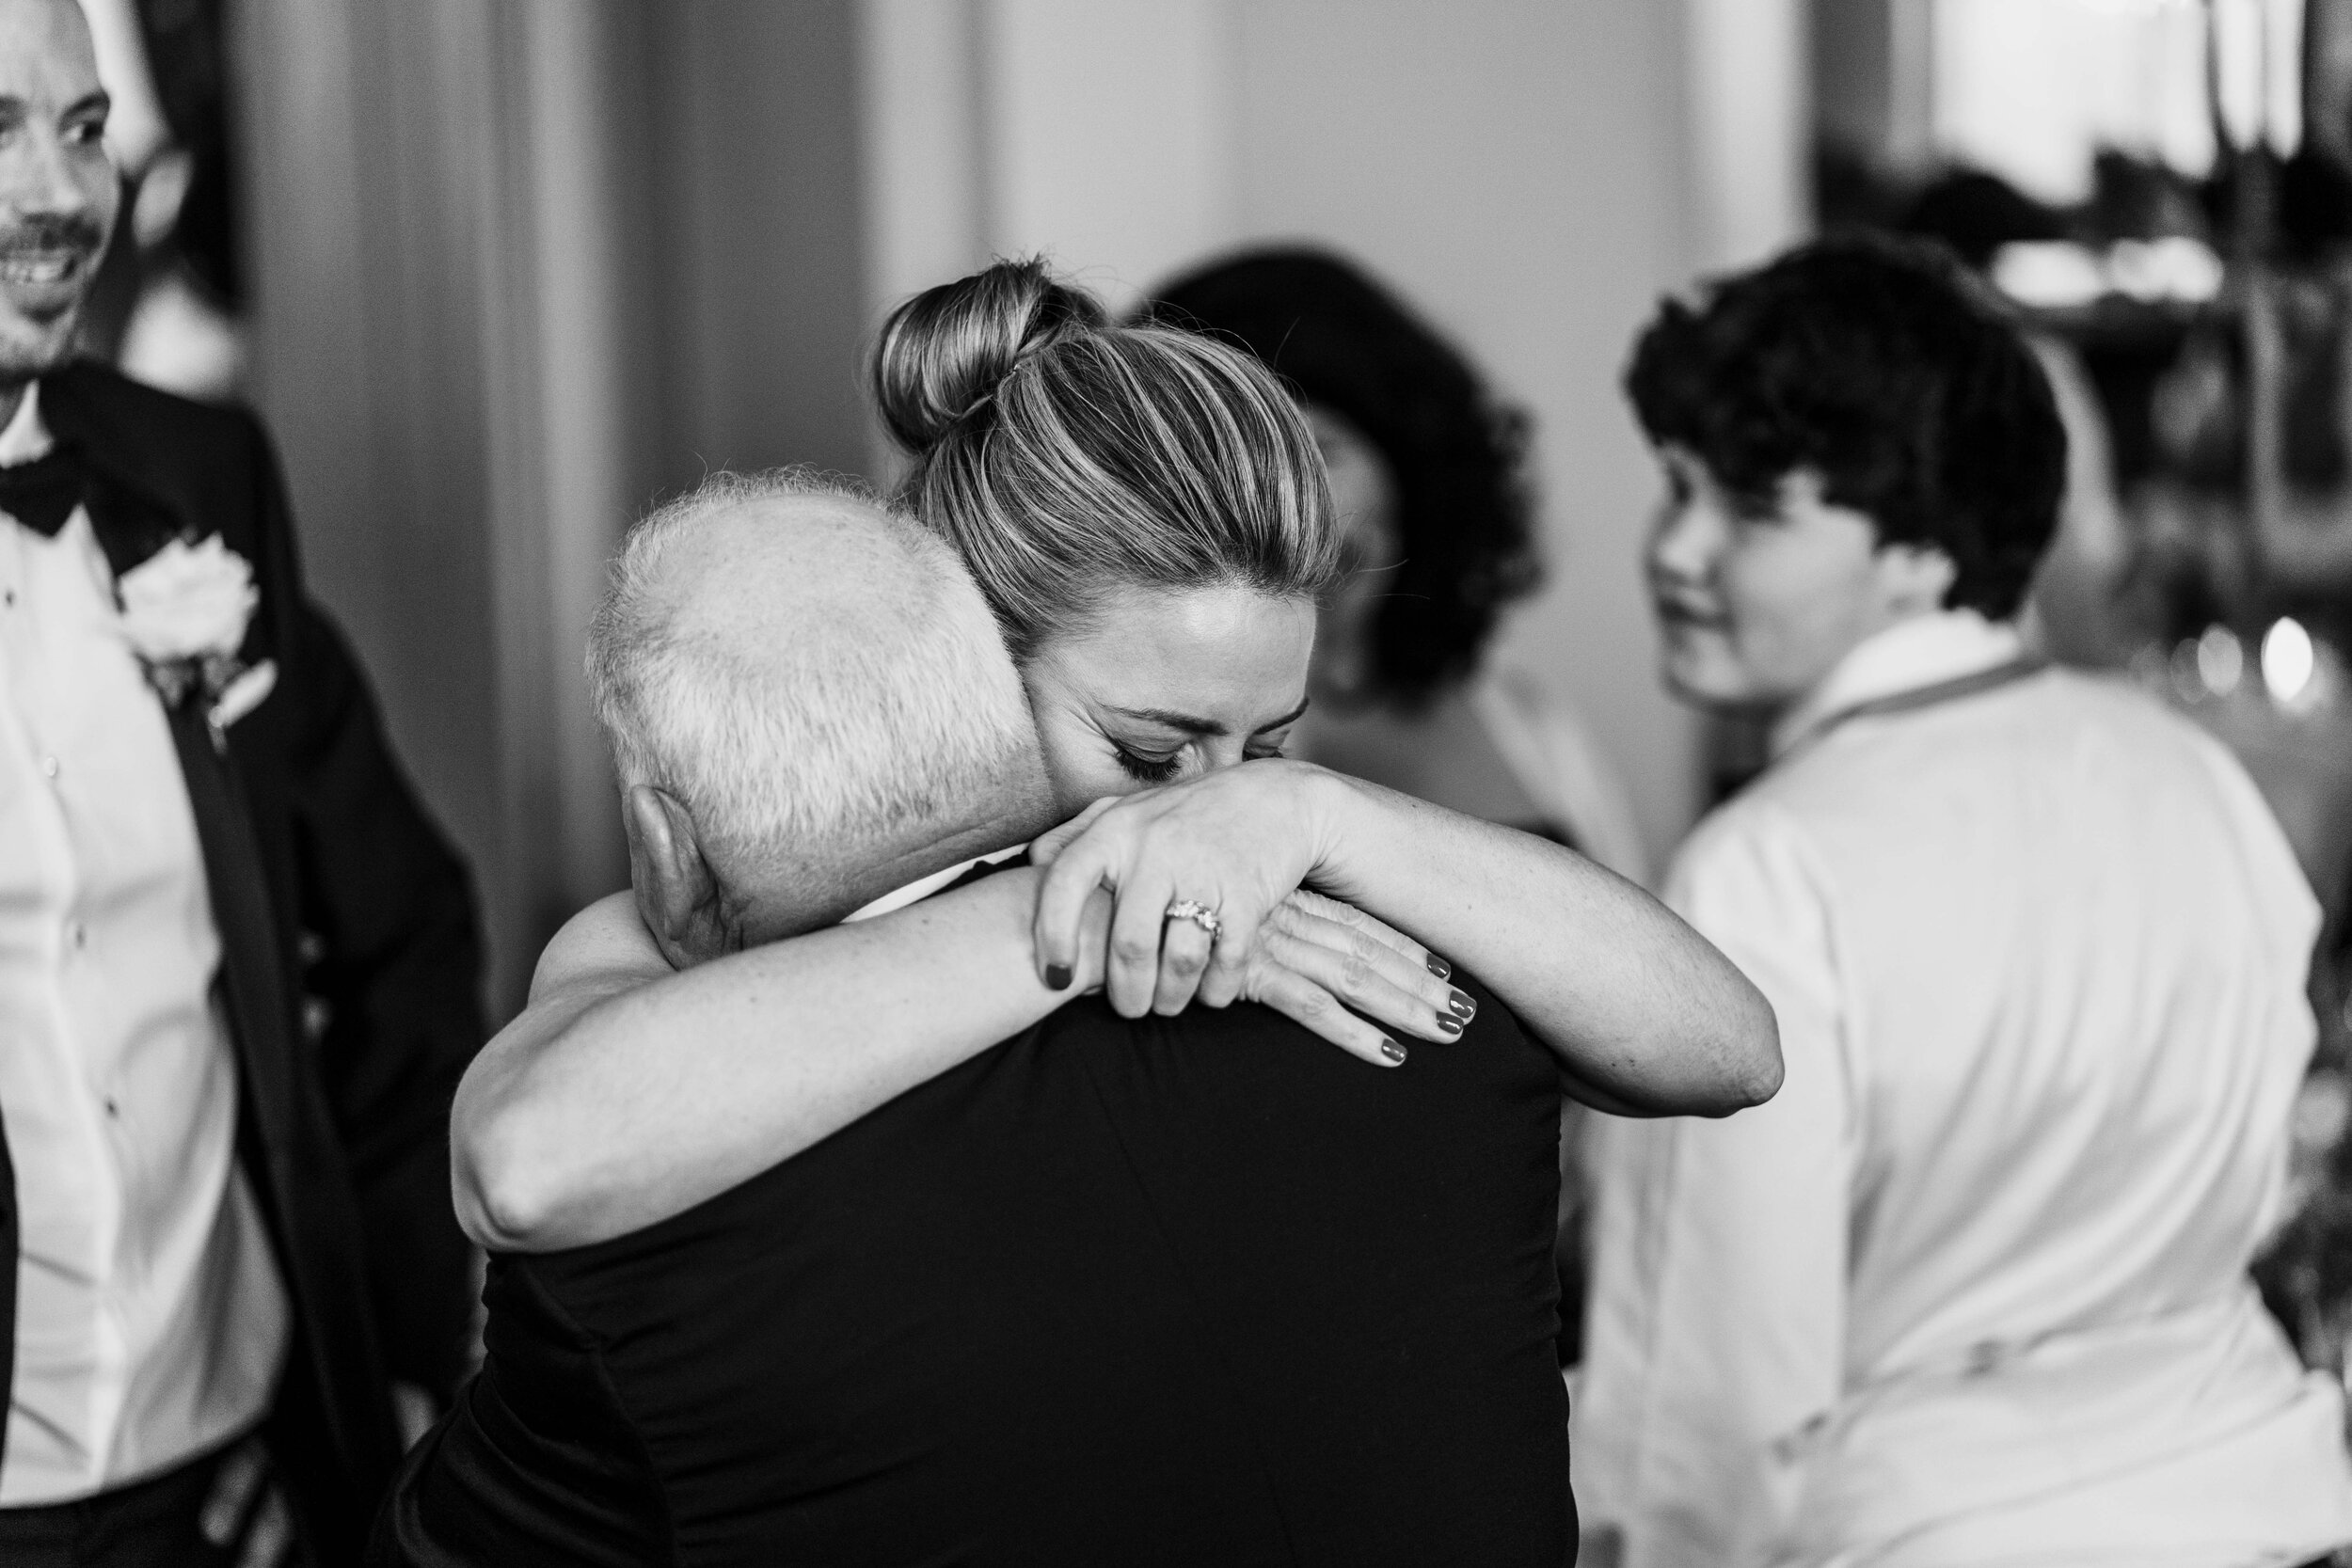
(1645, 1015)
(627, 1092)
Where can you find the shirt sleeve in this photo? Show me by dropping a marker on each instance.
(1719, 1307)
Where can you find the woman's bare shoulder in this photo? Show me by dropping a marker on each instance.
(603, 947)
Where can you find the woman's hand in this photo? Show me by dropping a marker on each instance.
(1644, 1015)
(1237, 842)
(1321, 964)
(1317, 958)
(1232, 842)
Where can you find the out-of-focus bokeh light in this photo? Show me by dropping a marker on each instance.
(2058, 275)
(2174, 267)
(2288, 659)
(2220, 660)
(2049, 275)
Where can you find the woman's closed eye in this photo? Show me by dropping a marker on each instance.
(1144, 767)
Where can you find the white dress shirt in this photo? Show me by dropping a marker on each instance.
(150, 1322)
(1972, 1288)
(923, 887)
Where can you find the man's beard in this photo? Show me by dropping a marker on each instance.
(37, 338)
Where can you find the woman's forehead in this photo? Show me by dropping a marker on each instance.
(1233, 656)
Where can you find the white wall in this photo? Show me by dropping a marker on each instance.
(1516, 168)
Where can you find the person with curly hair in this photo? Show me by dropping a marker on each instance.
(1973, 1289)
(1428, 472)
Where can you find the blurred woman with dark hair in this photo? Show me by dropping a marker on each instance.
(1428, 474)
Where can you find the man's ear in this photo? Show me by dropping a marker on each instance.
(1914, 578)
(677, 895)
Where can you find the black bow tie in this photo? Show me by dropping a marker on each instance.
(44, 493)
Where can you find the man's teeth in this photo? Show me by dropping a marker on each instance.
(34, 269)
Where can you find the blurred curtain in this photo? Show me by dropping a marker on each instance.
(520, 266)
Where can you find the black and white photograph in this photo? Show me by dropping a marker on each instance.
(1176, 784)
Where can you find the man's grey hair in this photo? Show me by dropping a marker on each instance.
(844, 686)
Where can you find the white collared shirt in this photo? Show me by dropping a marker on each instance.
(923, 887)
(150, 1322)
(1973, 1287)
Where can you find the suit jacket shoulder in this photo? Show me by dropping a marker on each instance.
(177, 448)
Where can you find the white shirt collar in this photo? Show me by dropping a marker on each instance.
(1906, 655)
(26, 437)
(923, 887)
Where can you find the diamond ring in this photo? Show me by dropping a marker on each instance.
(1197, 913)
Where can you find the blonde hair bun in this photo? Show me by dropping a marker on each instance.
(946, 351)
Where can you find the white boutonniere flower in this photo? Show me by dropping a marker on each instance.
(184, 612)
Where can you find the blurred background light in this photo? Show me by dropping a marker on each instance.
(2220, 661)
(2287, 660)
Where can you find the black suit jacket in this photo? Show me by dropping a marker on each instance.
(1171, 1292)
(327, 880)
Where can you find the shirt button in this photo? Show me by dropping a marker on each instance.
(8, 596)
(113, 1109)
(49, 767)
(78, 934)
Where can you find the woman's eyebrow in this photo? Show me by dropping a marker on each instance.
(1173, 720)
(1194, 724)
(1291, 718)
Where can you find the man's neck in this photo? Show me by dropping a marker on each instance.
(1011, 818)
(958, 848)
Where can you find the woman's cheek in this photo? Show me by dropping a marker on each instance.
(1079, 765)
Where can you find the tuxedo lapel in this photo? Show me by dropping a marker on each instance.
(9, 1239)
(286, 1130)
(304, 1184)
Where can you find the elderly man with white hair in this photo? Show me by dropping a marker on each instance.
(1111, 1290)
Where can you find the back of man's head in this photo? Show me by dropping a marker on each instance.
(814, 681)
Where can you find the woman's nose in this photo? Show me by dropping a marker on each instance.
(1220, 751)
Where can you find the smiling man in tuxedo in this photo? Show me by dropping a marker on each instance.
(224, 1212)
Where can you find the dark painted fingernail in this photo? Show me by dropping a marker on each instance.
(1449, 1026)
(1464, 1009)
(1393, 1052)
(1439, 967)
(1056, 976)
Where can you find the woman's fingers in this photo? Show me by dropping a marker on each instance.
(1062, 892)
(235, 1485)
(1228, 975)
(1362, 946)
(1378, 930)
(1136, 930)
(1380, 988)
(1184, 945)
(1047, 846)
(1306, 1004)
(1238, 931)
(270, 1542)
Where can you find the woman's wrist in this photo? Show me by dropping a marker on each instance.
(1338, 814)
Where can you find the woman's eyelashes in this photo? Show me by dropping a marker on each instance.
(1158, 767)
(1148, 769)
